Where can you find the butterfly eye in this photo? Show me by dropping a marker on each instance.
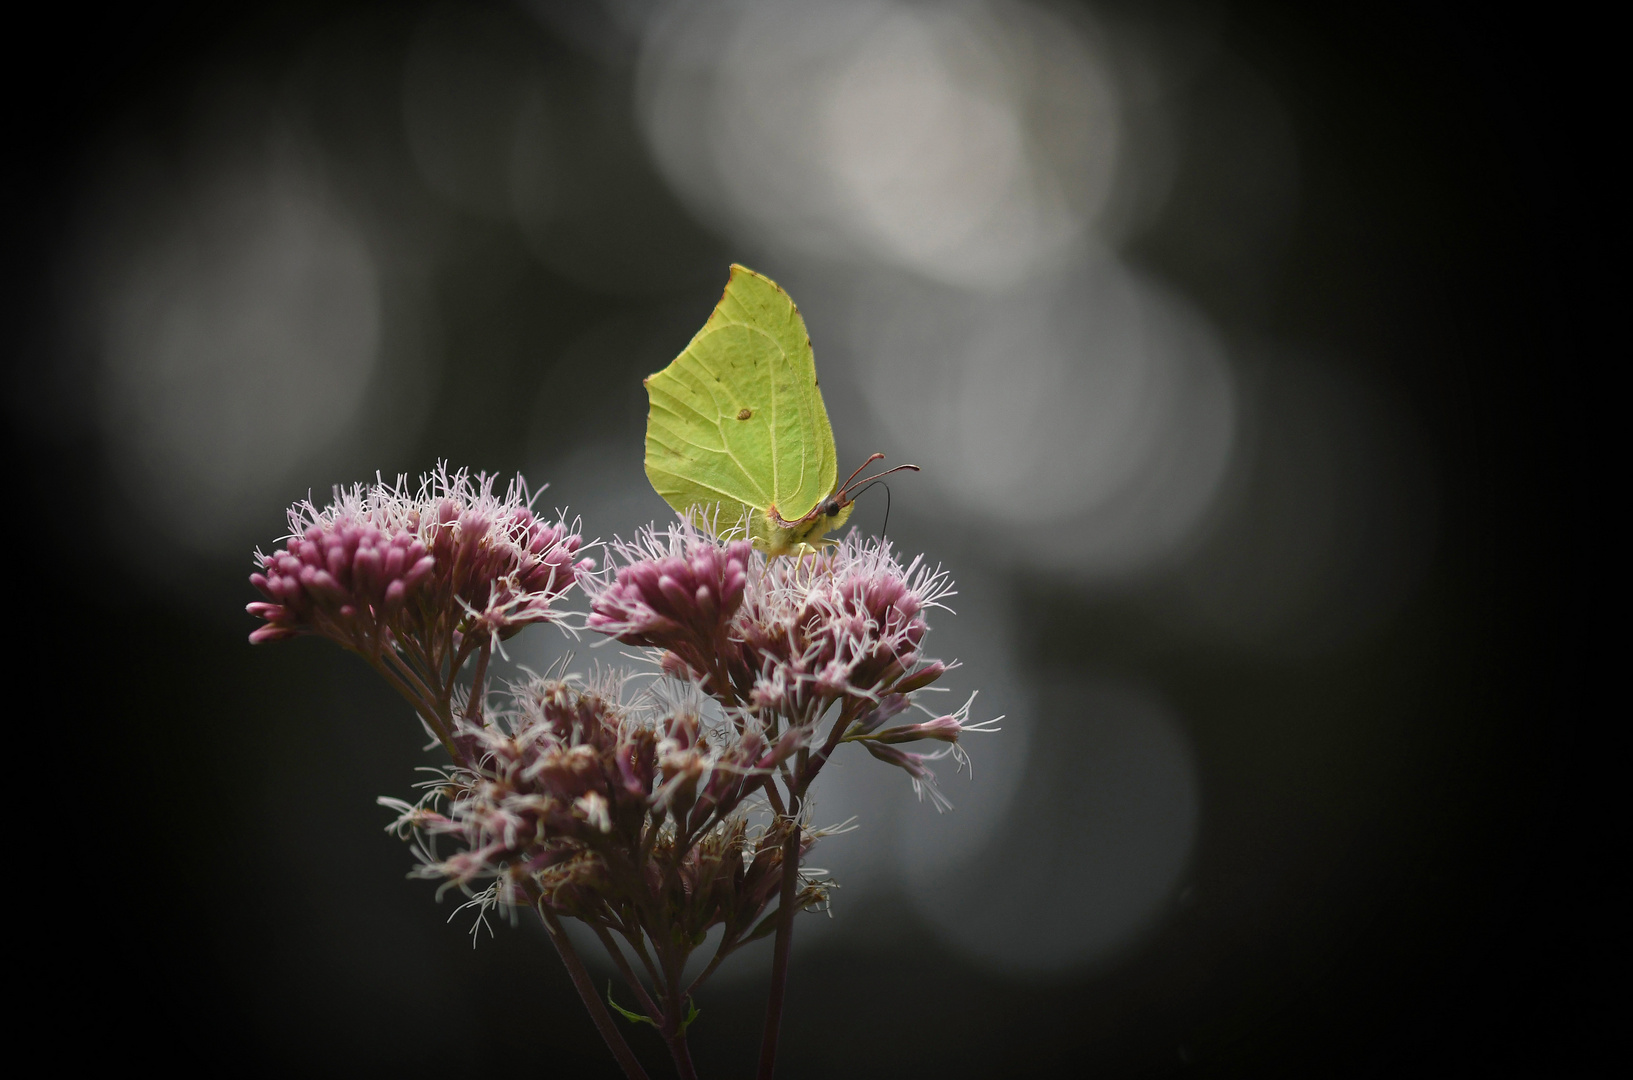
(830, 508)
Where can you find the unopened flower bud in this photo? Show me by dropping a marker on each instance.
(918, 679)
(887, 710)
(942, 728)
(924, 780)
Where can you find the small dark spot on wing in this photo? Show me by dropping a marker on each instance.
(744, 414)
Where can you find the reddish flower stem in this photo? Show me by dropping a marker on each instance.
(592, 1001)
(720, 953)
(645, 1001)
(422, 704)
(473, 707)
(785, 939)
(682, 1055)
(674, 1032)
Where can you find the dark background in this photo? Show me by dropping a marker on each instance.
(198, 818)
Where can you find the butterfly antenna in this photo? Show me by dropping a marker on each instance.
(859, 468)
(871, 479)
(880, 483)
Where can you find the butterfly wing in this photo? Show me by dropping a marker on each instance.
(737, 421)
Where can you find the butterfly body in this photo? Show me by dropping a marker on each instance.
(737, 430)
(775, 536)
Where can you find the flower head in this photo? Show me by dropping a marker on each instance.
(380, 563)
(789, 636)
(577, 796)
(847, 623)
(676, 590)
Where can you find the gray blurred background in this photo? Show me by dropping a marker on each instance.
(1229, 341)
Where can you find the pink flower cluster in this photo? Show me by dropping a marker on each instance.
(574, 796)
(785, 640)
(380, 565)
(788, 634)
(848, 623)
(634, 816)
(678, 593)
(344, 579)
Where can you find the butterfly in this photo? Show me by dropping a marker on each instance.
(737, 427)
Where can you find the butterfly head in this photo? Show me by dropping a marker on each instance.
(776, 535)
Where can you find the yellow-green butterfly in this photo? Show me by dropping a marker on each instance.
(737, 425)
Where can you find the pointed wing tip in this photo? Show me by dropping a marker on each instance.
(739, 268)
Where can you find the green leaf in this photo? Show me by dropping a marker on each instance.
(632, 1017)
(691, 1014)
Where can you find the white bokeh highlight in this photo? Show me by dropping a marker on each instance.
(1092, 415)
(970, 143)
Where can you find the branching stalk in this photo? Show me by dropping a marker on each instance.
(628, 973)
(592, 1001)
(785, 940)
(674, 1027)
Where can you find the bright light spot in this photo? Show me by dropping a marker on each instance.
(971, 143)
(1094, 417)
